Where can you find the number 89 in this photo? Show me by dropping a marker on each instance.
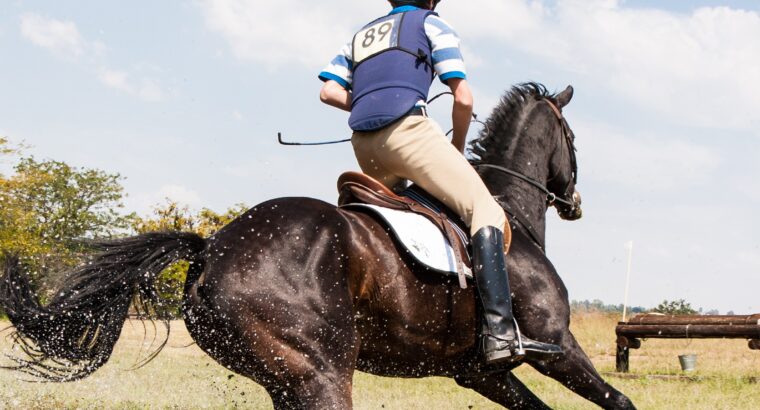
(369, 35)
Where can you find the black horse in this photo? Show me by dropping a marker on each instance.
(296, 294)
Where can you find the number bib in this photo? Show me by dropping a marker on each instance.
(376, 38)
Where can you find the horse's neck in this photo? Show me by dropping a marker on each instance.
(526, 202)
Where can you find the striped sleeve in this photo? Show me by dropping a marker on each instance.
(340, 68)
(447, 57)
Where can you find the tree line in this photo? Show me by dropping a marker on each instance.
(666, 307)
(49, 211)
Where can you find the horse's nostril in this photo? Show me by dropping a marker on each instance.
(577, 198)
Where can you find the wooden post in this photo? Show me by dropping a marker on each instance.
(621, 359)
(629, 246)
(624, 345)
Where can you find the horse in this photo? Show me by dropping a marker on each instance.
(296, 293)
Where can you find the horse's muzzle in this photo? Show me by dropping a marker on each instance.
(571, 213)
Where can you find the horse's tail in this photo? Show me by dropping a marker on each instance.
(75, 333)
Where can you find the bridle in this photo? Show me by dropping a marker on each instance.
(551, 198)
(569, 139)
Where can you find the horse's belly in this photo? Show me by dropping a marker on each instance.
(410, 322)
(424, 339)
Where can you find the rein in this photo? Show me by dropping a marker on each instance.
(551, 197)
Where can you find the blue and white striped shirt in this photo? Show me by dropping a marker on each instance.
(447, 57)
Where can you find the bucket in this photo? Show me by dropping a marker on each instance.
(688, 362)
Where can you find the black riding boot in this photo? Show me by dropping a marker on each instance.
(501, 338)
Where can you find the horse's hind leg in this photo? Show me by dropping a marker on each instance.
(312, 395)
(305, 360)
(576, 372)
(324, 392)
(505, 389)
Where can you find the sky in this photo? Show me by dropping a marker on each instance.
(184, 99)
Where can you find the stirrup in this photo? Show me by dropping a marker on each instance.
(505, 350)
(534, 345)
(502, 353)
(518, 335)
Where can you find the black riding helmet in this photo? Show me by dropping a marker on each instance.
(417, 3)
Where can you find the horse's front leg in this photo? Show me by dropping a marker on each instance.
(503, 388)
(576, 372)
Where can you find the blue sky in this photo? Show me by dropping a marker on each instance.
(184, 99)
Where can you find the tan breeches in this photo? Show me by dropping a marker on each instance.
(416, 149)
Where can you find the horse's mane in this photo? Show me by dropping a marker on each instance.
(503, 123)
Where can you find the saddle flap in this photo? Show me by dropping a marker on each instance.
(357, 188)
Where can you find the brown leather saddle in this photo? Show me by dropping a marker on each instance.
(358, 188)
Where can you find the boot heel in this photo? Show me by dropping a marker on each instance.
(499, 357)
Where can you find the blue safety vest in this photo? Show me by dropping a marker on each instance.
(392, 69)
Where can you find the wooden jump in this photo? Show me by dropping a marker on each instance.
(649, 325)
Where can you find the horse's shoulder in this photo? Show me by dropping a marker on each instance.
(526, 255)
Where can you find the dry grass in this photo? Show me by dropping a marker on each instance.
(184, 377)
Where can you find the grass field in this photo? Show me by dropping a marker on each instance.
(183, 377)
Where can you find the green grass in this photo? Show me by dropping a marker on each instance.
(183, 377)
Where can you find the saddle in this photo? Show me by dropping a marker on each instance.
(357, 189)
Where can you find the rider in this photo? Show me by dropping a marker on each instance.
(383, 77)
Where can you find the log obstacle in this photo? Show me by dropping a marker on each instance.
(650, 325)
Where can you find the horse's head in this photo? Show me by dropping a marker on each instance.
(526, 145)
(563, 168)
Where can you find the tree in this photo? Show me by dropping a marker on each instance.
(48, 207)
(9, 148)
(598, 306)
(676, 307)
(171, 216)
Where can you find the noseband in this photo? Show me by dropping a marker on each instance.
(551, 198)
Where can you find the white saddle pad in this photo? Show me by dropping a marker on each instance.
(424, 241)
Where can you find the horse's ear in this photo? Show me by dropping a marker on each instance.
(564, 97)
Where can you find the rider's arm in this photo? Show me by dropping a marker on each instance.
(449, 65)
(461, 113)
(337, 77)
(334, 94)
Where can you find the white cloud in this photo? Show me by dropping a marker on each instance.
(643, 161)
(180, 194)
(60, 37)
(145, 89)
(63, 39)
(143, 203)
(287, 31)
(115, 79)
(699, 68)
(150, 90)
(744, 183)
(240, 171)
